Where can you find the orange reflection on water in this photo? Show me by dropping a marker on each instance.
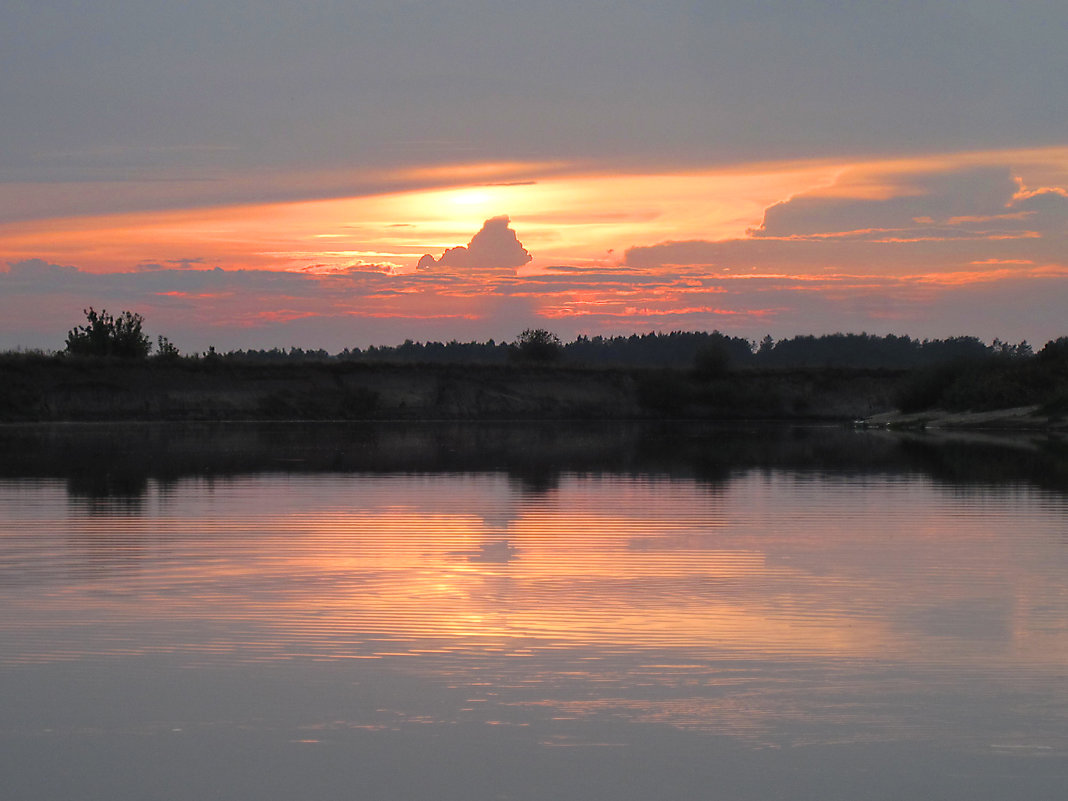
(343, 567)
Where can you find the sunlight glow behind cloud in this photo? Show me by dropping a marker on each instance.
(911, 245)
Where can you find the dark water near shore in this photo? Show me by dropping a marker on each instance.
(531, 612)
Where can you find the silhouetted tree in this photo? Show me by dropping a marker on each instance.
(537, 345)
(104, 335)
(1055, 353)
(165, 349)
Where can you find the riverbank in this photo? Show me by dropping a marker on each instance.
(64, 389)
(1029, 418)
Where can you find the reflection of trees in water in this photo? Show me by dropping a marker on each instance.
(978, 459)
(534, 479)
(118, 462)
(110, 470)
(111, 492)
(106, 493)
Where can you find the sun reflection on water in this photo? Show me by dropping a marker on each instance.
(774, 608)
(271, 568)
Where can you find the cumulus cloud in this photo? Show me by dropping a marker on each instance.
(494, 247)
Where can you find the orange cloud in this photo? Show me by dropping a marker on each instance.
(794, 247)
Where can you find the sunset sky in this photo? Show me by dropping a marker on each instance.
(328, 174)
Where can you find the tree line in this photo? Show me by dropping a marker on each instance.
(677, 349)
(955, 373)
(123, 337)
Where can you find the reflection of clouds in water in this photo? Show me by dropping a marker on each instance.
(499, 520)
(773, 562)
(491, 551)
(495, 551)
(783, 614)
(799, 619)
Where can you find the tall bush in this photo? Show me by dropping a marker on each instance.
(105, 335)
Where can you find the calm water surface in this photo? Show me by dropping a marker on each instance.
(505, 613)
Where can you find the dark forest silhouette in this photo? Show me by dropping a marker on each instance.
(678, 349)
(104, 335)
(676, 374)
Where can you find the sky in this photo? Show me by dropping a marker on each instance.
(328, 175)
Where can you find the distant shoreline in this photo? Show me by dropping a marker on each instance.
(64, 389)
